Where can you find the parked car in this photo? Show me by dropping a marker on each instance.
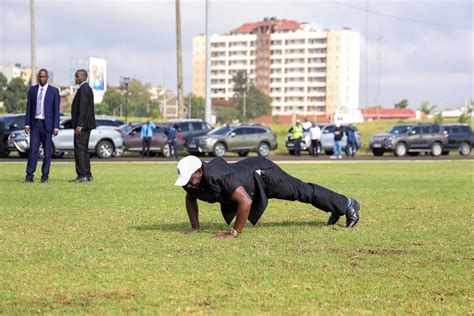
(105, 140)
(410, 139)
(11, 123)
(460, 137)
(240, 138)
(159, 141)
(189, 128)
(327, 139)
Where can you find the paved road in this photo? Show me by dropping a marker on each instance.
(303, 158)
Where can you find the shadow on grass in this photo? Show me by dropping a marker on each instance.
(218, 226)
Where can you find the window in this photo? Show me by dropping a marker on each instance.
(435, 129)
(66, 124)
(465, 129)
(255, 130)
(105, 123)
(456, 130)
(240, 131)
(427, 129)
(182, 127)
(197, 126)
(415, 130)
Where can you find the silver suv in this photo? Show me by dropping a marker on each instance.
(235, 138)
(105, 141)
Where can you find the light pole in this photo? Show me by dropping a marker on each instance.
(125, 81)
(33, 42)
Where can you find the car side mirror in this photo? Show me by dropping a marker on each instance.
(412, 132)
(232, 134)
(61, 126)
(13, 126)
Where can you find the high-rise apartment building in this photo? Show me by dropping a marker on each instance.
(304, 70)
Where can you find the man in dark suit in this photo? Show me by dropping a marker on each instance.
(83, 122)
(41, 123)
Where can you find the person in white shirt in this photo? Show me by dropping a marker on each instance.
(307, 124)
(315, 135)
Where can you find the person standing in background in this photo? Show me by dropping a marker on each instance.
(146, 134)
(83, 122)
(297, 135)
(315, 134)
(171, 132)
(337, 142)
(351, 146)
(41, 123)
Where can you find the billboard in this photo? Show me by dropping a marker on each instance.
(98, 77)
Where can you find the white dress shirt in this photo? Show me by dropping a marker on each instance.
(45, 87)
(315, 132)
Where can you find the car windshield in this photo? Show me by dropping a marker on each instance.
(399, 129)
(220, 131)
(6, 119)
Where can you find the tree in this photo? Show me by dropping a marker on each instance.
(113, 100)
(402, 104)
(16, 91)
(258, 103)
(226, 115)
(426, 108)
(197, 105)
(3, 85)
(250, 101)
(138, 98)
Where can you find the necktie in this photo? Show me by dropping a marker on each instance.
(39, 103)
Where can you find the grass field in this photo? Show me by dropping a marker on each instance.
(112, 247)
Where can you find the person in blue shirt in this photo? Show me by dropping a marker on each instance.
(171, 132)
(351, 147)
(146, 134)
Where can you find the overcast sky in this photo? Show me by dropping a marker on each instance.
(418, 50)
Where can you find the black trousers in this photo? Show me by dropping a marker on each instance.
(280, 185)
(314, 147)
(146, 143)
(297, 143)
(81, 154)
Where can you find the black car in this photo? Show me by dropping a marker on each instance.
(10, 123)
(460, 138)
(189, 128)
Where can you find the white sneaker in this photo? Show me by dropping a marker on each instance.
(333, 157)
(339, 157)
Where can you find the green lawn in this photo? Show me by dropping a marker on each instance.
(112, 247)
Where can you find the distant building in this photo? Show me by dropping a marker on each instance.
(11, 71)
(304, 70)
(167, 100)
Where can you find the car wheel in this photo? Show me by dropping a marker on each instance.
(22, 154)
(436, 149)
(464, 149)
(165, 150)
(377, 152)
(400, 150)
(104, 149)
(243, 153)
(41, 152)
(263, 149)
(219, 150)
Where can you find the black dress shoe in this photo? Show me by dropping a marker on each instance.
(44, 180)
(29, 180)
(80, 179)
(90, 178)
(333, 219)
(352, 213)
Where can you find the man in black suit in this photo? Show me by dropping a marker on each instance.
(83, 121)
(41, 123)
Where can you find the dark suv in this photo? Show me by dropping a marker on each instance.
(10, 123)
(460, 137)
(411, 139)
(189, 128)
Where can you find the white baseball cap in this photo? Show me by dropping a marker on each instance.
(186, 167)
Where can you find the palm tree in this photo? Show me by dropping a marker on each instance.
(426, 108)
